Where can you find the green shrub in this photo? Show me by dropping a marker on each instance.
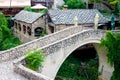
(71, 69)
(7, 39)
(34, 59)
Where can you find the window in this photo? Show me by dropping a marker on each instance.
(15, 25)
(29, 30)
(38, 31)
(19, 26)
(24, 29)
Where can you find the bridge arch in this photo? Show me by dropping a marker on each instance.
(60, 50)
(96, 42)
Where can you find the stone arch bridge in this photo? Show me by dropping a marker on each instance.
(57, 46)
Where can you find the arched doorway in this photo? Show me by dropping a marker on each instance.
(29, 31)
(24, 29)
(19, 26)
(81, 64)
(38, 31)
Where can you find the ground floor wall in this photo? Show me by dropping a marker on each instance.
(51, 29)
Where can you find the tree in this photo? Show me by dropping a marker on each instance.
(118, 7)
(7, 40)
(75, 4)
(92, 1)
(116, 4)
(112, 44)
(3, 28)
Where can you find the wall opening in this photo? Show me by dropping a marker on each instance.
(82, 64)
(29, 30)
(38, 31)
(24, 29)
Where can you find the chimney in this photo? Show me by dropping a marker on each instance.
(65, 7)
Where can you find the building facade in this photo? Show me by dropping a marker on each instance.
(28, 25)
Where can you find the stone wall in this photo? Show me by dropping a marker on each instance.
(61, 27)
(30, 74)
(103, 63)
(25, 37)
(21, 50)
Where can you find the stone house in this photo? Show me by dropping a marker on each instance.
(61, 19)
(28, 25)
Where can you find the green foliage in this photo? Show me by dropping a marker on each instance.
(71, 69)
(28, 9)
(34, 59)
(114, 2)
(34, 10)
(118, 7)
(89, 71)
(10, 42)
(112, 44)
(7, 40)
(75, 4)
(92, 1)
(3, 20)
(43, 11)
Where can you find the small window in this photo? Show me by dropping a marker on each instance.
(38, 31)
(29, 30)
(15, 25)
(24, 29)
(19, 26)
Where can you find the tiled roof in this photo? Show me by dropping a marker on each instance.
(28, 17)
(83, 15)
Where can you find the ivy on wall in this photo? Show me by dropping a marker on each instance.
(112, 44)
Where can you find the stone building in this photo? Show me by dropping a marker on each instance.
(28, 25)
(11, 7)
(60, 19)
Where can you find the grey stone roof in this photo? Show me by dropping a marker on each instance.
(83, 15)
(28, 17)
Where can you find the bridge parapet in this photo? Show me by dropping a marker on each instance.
(19, 51)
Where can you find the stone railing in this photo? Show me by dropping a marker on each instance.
(30, 74)
(19, 51)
